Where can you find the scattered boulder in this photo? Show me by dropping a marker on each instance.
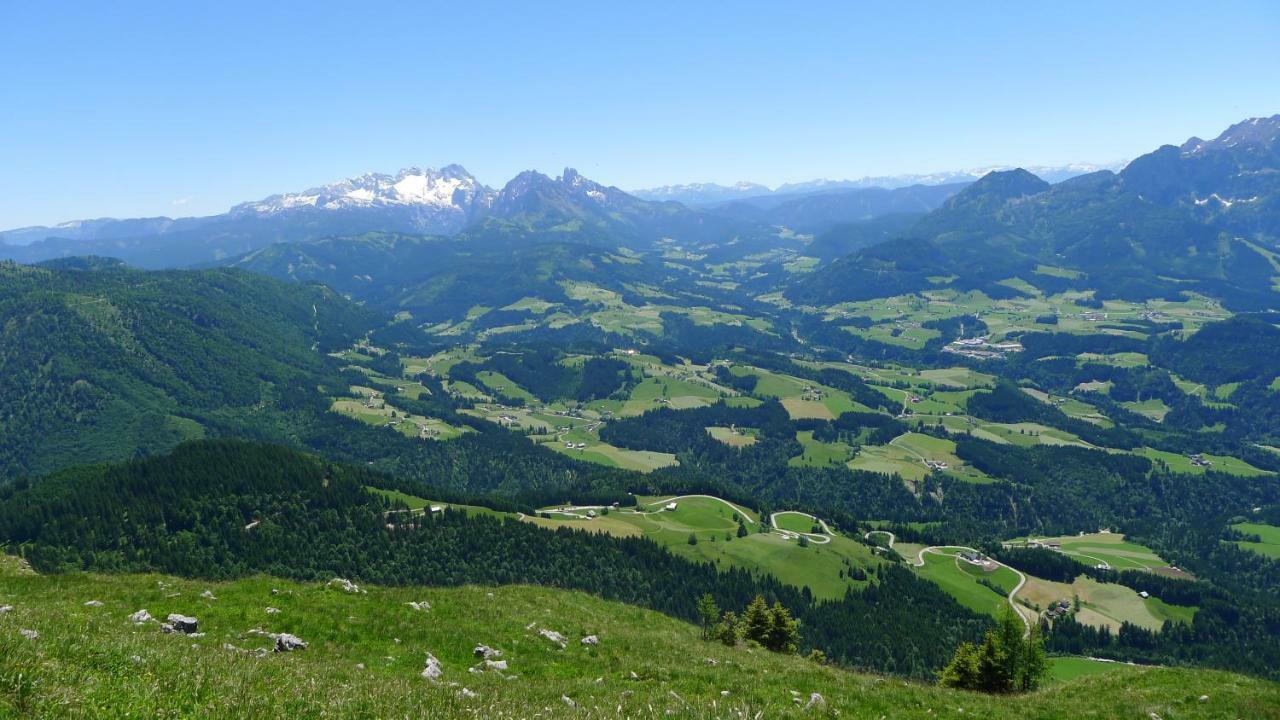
(28, 634)
(6, 609)
(816, 701)
(554, 637)
(208, 595)
(724, 693)
(273, 611)
(1204, 698)
(495, 665)
(345, 585)
(423, 606)
(359, 666)
(288, 643)
(467, 694)
(591, 640)
(486, 652)
(568, 701)
(633, 676)
(432, 671)
(182, 623)
(141, 617)
(712, 662)
(93, 603)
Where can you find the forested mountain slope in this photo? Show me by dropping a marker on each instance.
(1203, 218)
(102, 363)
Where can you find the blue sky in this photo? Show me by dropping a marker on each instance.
(172, 108)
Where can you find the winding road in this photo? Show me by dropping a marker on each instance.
(789, 534)
(1022, 579)
(735, 508)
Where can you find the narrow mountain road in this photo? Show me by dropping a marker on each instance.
(1022, 579)
(813, 537)
(892, 538)
(678, 498)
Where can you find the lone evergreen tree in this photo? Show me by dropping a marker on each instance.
(708, 615)
(757, 621)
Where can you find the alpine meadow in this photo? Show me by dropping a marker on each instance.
(995, 440)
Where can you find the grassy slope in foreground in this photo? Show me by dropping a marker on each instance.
(91, 662)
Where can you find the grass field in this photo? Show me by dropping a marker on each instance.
(1111, 548)
(946, 572)
(1067, 668)
(818, 566)
(1154, 408)
(889, 460)
(502, 385)
(418, 503)
(1218, 463)
(820, 454)
(1270, 534)
(367, 652)
(734, 437)
(1026, 434)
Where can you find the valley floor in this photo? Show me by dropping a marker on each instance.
(367, 651)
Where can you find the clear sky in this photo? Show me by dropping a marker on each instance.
(185, 108)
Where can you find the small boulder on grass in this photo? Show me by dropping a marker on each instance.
(288, 643)
(486, 652)
(554, 637)
(182, 623)
(591, 640)
(28, 634)
(93, 603)
(141, 617)
(432, 671)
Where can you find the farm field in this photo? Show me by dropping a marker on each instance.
(944, 570)
(1154, 409)
(801, 398)
(1270, 534)
(1111, 548)
(1104, 604)
(889, 460)
(818, 453)
(1218, 463)
(1026, 434)
(418, 504)
(820, 567)
(734, 437)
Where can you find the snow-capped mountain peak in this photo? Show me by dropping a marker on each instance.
(450, 188)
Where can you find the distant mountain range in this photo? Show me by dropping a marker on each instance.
(450, 202)
(711, 193)
(1204, 216)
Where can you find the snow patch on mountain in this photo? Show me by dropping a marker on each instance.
(450, 189)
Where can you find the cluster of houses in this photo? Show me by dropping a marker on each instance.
(1199, 460)
(935, 464)
(981, 348)
(813, 393)
(575, 446)
(1058, 609)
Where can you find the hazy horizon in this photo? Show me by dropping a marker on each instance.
(179, 111)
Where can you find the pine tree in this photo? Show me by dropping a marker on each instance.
(784, 631)
(727, 631)
(962, 671)
(1034, 663)
(757, 621)
(708, 615)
